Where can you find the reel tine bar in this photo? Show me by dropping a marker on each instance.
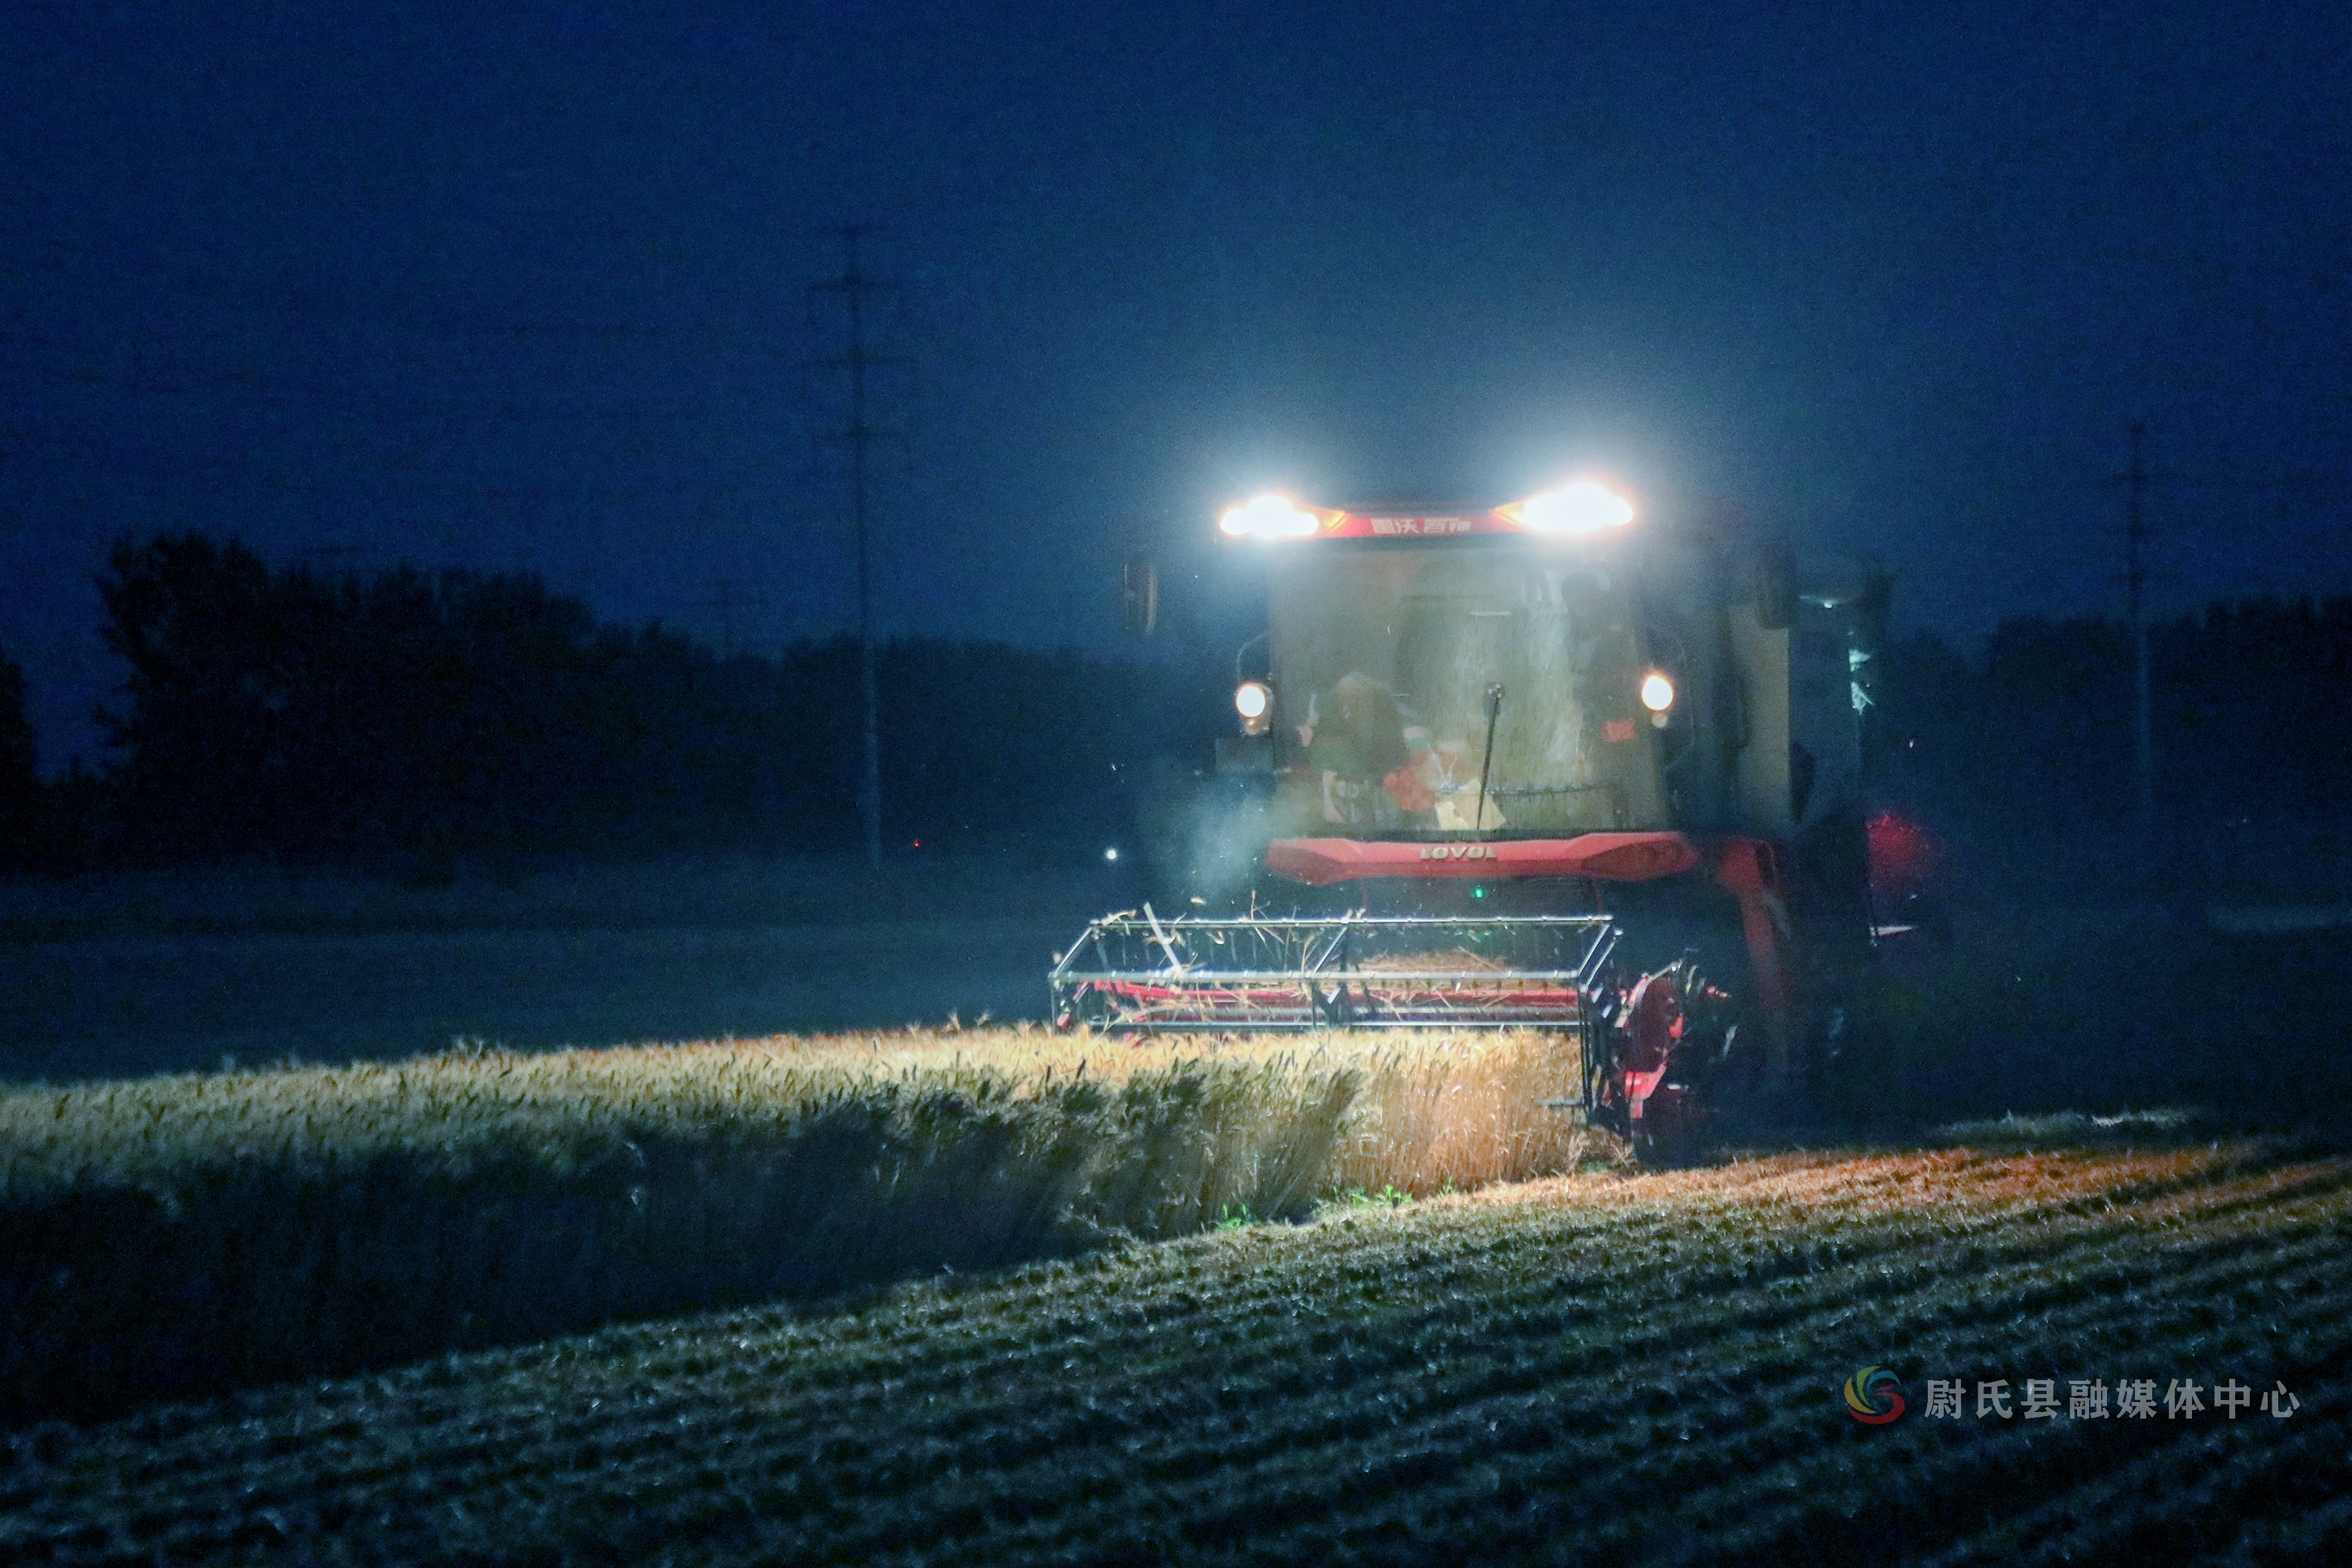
(1137, 973)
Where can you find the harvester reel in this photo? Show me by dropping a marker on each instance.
(1138, 973)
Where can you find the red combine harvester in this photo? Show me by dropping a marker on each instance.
(1535, 766)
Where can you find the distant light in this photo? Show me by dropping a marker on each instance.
(1110, 853)
(1478, 893)
(1269, 517)
(1657, 693)
(1587, 506)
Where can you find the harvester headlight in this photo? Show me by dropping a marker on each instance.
(1253, 701)
(1587, 506)
(1269, 517)
(1657, 693)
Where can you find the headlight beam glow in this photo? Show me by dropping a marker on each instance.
(1269, 517)
(1585, 506)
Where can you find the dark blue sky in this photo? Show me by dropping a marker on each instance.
(527, 285)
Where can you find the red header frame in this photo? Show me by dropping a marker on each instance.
(1609, 856)
(1415, 525)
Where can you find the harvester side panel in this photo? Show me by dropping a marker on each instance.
(1764, 793)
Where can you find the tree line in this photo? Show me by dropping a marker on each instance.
(420, 719)
(2250, 708)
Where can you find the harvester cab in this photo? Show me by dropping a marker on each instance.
(1536, 766)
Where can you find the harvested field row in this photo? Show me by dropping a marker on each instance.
(183, 1236)
(1598, 1368)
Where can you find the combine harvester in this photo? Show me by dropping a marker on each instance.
(1534, 766)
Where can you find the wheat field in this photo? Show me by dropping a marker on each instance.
(185, 1234)
(1607, 1368)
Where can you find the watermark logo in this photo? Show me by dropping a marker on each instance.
(2091, 1399)
(1873, 1396)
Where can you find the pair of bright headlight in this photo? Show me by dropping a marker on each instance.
(1253, 701)
(1583, 507)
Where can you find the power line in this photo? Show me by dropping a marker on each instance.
(381, 476)
(72, 264)
(703, 339)
(277, 388)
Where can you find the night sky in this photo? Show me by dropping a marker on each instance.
(527, 285)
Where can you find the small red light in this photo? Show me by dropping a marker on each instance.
(1902, 858)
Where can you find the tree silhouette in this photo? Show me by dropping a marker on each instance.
(24, 817)
(433, 716)
(426, 717)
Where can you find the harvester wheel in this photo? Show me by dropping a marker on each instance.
(1712, 1066)
(1668, 1136)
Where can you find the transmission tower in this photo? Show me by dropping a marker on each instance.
(854, 287)
(2135, 582)
(2135, 481)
